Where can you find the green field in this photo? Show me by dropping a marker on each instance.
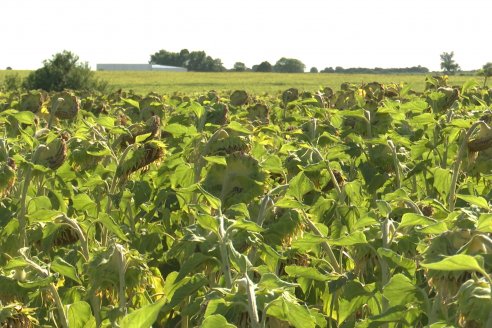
(259, 83)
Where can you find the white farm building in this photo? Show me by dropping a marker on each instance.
(139, 67)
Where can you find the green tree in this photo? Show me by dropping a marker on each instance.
(486, 72)
(164, 57)
(263, 67)
(328, 70)
(239, 67)
(448, 65)
(313, 70)
(194, 61)
(289, 65)
(61, 72)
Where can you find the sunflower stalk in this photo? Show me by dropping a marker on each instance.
(331, 256)
(121, 271)
(22, 213)
(385, 274)
(226, 267)
(396, 163)
(51, 287)
(457, 164)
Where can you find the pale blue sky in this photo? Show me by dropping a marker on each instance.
(347, 33)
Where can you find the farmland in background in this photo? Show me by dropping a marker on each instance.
(259, 83)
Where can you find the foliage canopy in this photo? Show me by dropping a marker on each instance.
(63, 71)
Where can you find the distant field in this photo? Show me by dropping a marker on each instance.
(260, 83)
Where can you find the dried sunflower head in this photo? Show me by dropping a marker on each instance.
(142, 156)
(53, 154)
(66, 105)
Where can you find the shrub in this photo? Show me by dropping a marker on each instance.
(64, 71)
(12, 82)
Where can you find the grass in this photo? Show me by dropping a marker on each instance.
(259, 83)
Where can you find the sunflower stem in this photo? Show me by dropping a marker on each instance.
(457, 164)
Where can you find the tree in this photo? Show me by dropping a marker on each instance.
(164, 57)
(328, 70)
(64, 71)
(448, 65)
(239, 67)
(194, 61)
(263, 67)
(289, 65)
(313, 70)
(486, 72)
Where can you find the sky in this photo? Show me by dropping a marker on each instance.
(329, 33)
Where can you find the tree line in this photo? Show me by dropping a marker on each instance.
(199, 61)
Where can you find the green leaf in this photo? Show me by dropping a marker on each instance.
(143, 317)
(247, 225)
(398, 260)
(24, 117)
(79, 315)
(412, 219)
(434, 229)
(306, 272)
(193, 262)
(82, 202)
(299, 186)
(216, 321)
(141, 138)
(426, 118)
(16, 262)
(44, 215)
(105, 121)
(109, 224)
(208, 222)
(442, 180)
(177, 129)
(297, 315)
(270, 281)
(475, 200)
(214, 202)
(39, 283)
(400, 290)
(359, 113)
(355, 238)
(238, 127)
(185, 290)
(131, 102)
(216, 159)
(64, 268)
(484, 223)
(459, 262)
(289, 202)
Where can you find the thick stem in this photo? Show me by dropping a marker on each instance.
(252, 307)
(396, 163)
(114, 183)
(121, 273)
(367, 114)
(457, 164)
(444, 161)
(224, 254)
(83, 240)
(52, 289)
(331, 256)
(22, 213)
(384, 264)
